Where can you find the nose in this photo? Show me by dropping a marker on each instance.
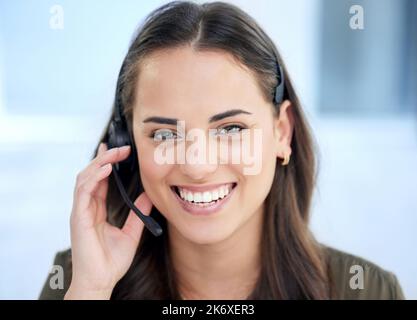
(198, 171)
(198, 167)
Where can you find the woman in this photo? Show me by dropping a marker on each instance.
(227, 234)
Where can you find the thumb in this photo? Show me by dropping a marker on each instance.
(133, 226)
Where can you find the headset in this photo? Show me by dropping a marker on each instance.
(279, 89)
(118, 136)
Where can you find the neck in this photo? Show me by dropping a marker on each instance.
(227, 269)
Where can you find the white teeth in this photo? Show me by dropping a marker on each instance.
(221, 192)
(206, 196)
(214, 195)
(197, 197)
(189, 196)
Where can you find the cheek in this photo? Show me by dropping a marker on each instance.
(257, 156)
(269, 161)
(258, 175)
(152, 173)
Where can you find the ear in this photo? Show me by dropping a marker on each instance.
(283, 129)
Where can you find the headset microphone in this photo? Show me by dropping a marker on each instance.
(148, 221)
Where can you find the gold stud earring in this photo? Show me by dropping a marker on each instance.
(286, 159)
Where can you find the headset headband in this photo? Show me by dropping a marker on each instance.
(279, 90)
(118, 114)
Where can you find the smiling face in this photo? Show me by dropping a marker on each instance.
(204, 202)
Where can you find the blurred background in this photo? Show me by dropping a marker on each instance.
(354, 64)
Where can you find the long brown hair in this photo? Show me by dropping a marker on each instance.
(293, 263)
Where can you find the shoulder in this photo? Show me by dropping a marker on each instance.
(59, 277)
(353, 277)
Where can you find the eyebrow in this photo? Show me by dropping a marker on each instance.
(217, 117)
(161, 120)
(227, 114)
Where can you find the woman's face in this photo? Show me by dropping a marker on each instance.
(193, 87)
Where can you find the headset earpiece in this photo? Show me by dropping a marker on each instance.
(118, 133)
(118, 136)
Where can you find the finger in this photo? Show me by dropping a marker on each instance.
(101, 148)
(113, 155)
(102, 187)
(85, 191)
(83, 175)
(90, 186)
(133, 226)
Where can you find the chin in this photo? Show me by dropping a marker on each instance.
(207, 234)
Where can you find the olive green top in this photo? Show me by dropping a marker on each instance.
(352, 278)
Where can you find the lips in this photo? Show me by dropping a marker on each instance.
(203, 200)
